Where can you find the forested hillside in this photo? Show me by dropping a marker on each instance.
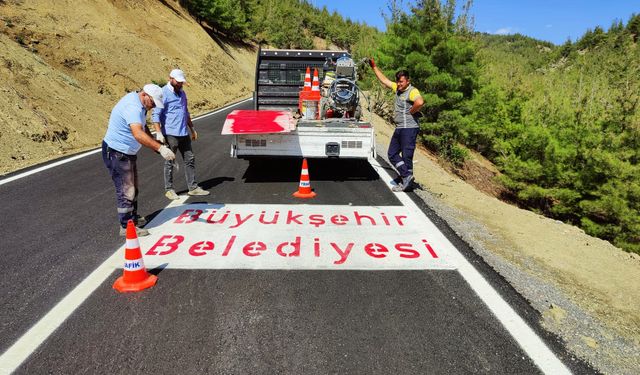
(563, 125)
(281, 23)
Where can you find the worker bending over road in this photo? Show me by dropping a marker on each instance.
(126, 133)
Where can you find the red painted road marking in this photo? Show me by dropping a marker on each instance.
(257, 122)
(237, 236)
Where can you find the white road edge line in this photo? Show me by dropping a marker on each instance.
(31, 340)
(52, 165)
(222, 109)
(36, 335)
(13, 357)
(528, 340)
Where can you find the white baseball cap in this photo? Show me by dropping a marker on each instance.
(155, 92)
(178, 75)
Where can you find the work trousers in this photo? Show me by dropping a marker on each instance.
(182, 144)
(401, 149)
(124, 173)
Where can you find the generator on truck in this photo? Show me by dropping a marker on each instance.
(290, 119)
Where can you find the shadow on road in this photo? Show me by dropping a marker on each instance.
(156, 270)
(288, 170)
(213, 182)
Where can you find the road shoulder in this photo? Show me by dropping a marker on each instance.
(584, 288)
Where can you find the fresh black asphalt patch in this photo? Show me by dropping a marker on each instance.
(298, 322)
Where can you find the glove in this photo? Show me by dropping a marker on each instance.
(159, 137)
(194, 134)
(371, 62)
(166, 153)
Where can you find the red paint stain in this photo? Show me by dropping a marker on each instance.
(245, 121)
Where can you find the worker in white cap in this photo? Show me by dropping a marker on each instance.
(126, 134)
(173, 125)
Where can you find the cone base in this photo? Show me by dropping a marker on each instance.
(298, 194)
(121, 286)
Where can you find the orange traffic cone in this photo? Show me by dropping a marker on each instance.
(304, 189)
(134, 276)
(315, 86)
(307, 80)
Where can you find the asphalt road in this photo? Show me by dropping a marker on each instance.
(59, 225)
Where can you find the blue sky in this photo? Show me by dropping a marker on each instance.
(554, 21)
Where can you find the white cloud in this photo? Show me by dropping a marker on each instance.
(548, 26)
(504, 31)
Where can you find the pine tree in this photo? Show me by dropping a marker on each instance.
(430, 44)
(633, 27)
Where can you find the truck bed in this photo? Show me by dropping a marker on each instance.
(266, 132)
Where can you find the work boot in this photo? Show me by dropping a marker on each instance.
(405, 185)
(140, 221)
(198, 191)
(171, 194)
(141, 232)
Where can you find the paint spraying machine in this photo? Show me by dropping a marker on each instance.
(340, 97)
(282, 123)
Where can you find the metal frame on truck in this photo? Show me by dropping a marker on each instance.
(278, 82)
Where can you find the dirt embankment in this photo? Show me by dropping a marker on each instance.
(65, 63)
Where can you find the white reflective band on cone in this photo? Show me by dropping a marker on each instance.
(132, 244)
(305, 183)
(134, 265)
(305, 171)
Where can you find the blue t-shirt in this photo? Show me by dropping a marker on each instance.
(173, 117)
(129, 110)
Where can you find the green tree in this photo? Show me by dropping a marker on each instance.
(633, 27)
(440, 56)
(229, 17)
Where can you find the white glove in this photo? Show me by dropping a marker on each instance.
(166, 153)
(159, 137)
